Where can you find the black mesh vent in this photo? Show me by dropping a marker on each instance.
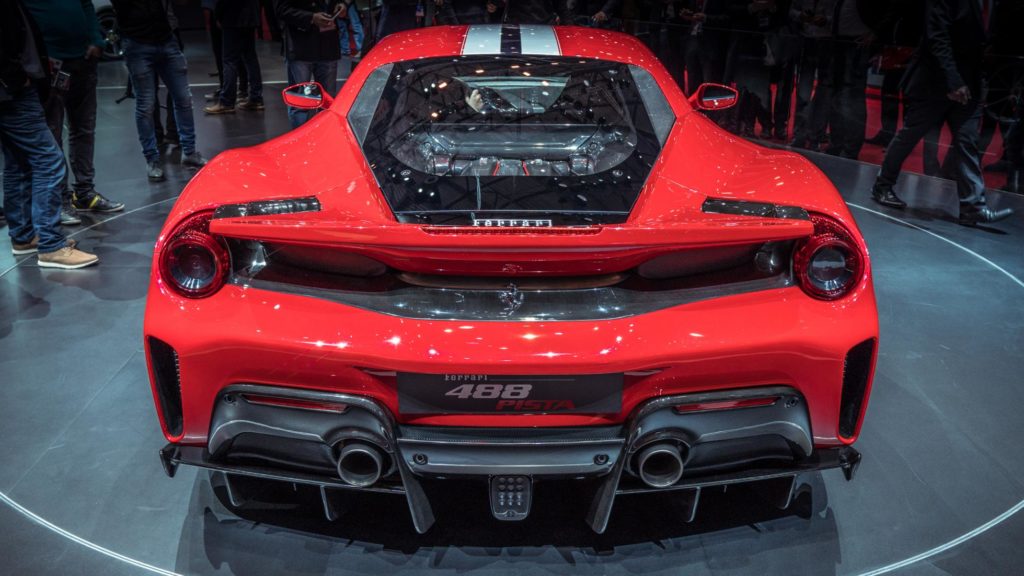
(856, 371)
(168, 383)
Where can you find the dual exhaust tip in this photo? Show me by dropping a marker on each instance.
(660, 465)
(360, 464)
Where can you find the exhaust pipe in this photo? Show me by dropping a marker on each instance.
(360, 464)
(660, 465)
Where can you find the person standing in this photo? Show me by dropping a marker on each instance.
(238, 20)
(750, 61)
(311, 44)
(706, 41)
(943, 83)
(34, 168)
(899, 41)
(349, 17)
(151, 50)
(813, 19)
(72, 37)
(848, 77)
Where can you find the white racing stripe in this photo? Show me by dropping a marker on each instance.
(482, 39)
(539, 40)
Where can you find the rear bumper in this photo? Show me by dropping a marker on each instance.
(768, 442)
(773, 337)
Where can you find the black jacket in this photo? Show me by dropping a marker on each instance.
(13, 34)
(951, 53)
(535, 11)
(146, 21)
(237, 13)
(1006, 27)
(303, 41)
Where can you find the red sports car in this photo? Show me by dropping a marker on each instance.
(517, 254)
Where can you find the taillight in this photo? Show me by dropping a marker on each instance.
(193, 262)
(829, 264)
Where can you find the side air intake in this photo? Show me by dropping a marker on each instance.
(856, 371)
(168, 383)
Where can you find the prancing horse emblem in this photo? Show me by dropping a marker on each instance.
(511, 298)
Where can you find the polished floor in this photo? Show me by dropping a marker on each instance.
(82, 491)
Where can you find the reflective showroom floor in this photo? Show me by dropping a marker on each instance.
(82, 491)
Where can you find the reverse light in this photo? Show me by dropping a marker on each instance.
(726, 405)
(194, 263)
(829, 264)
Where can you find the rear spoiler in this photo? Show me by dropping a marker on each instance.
(542, 251)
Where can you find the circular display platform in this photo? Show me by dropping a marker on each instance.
(83, 491)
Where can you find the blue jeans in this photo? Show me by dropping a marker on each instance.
(299, 71)
(351, 17)
(146, 62)
(33, 172)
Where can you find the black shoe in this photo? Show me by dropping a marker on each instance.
(95, 202)
(879, 139)
(887, 197)
(984, 215)
(155, 171)
(193, 160)
(3, 220)
(799, 142)
(68, 214)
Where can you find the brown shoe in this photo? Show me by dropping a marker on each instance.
(67, 258)
(32, 246)
(250, 105)
(219, 108)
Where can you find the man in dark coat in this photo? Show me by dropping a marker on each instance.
(238, 21)
(312, 46)
(943, 83)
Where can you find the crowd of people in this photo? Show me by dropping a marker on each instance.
(801, 67)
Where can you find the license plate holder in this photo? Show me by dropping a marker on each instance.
(502, 394)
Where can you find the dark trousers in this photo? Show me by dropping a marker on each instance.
(848, 80)
(754, 83)
(239, 52)
(963, 164)
(704, 61)
(669, 44)
(890, 103)
(784, 77)
(813, 101)
(78, 106)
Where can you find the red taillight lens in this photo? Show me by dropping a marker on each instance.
(829, 264)
(194, 263)
(726, 404)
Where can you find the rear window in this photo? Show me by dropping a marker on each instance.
(458, 140)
